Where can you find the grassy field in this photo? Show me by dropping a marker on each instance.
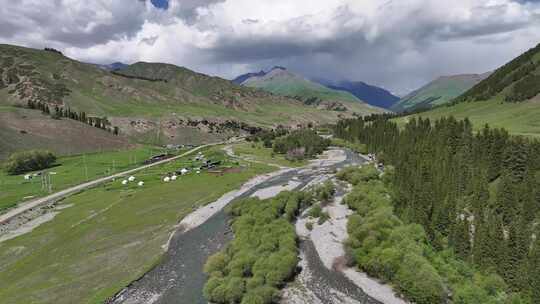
(518, 118)
(257, 152)
(109, 235)
(71, 171)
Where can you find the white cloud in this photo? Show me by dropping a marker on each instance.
(397, 44)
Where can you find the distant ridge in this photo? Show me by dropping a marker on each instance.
(508, 98)
(281, 81)
(112, 66)
(373, 95)
(437, 92)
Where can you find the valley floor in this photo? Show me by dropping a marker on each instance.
(104, 238)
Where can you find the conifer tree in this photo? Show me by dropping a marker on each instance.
(534, 272)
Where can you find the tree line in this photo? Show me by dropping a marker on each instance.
(300, 144)
(22, 162)
(476, 194)
(61, 112)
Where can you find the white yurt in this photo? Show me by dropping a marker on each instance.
(140, 184)
(167, 179)
(174, 177)
(124, 182)
(131, 178)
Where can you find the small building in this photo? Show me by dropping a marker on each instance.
(140, 184)
(156, 158)
(124, 182)
(131, 178)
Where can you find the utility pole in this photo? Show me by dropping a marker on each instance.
(85, 167)
(50, 183)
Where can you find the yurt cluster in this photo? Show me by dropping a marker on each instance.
(173, 176)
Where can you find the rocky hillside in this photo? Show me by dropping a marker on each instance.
(146, 102)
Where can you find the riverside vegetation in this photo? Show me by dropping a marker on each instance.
(264, 253)
(456, 219)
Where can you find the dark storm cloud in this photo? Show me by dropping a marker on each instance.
(383, 58)
(83, 25)
(187, 9)
(397, 44)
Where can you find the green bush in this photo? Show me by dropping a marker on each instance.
(300, 144)
(263, 254)
(355, 176)
(323, 218)
(325, 192)
(315, 211)
(22, 162)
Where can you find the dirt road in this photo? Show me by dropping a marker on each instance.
(60, 194)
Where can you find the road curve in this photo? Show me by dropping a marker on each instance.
(60, 194)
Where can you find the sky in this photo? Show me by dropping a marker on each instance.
(397, 44)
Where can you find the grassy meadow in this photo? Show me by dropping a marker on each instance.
(518, 118)
(109, 235)
(257, 152)
(71, 171)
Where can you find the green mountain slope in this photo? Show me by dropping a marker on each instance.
(149, 102)
(508, 98)
(280, 81)
(437, 92)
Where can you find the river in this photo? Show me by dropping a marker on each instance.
(178, 278)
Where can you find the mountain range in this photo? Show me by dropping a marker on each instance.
(508, 98)
(281, 81)
(437, 92)
(112, 66)
(371, 94)
(148, 102)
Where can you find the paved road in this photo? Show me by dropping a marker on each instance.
(60, 194)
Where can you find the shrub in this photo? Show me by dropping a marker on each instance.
(300, 144)
(325, 192)
(22, 162)
(315, 211)
(323, 218)
(355, 175)
(263, 254)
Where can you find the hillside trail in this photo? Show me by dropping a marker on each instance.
(25, 206)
